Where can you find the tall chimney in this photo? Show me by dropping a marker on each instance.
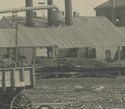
(113, 11)
(29, 14)
(68, 12)
(49, 2)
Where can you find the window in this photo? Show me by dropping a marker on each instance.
(50, 52)
(108, 54)
(90, 53)
(73, 52)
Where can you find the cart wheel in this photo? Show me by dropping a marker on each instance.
(45, 107)
(21, 101)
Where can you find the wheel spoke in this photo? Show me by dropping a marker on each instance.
(15, 107)
(21, 101)
(17, 102)
(25, 100)
(28, 104)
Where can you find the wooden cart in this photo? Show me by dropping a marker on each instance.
(12, 82)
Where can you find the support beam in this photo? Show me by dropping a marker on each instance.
(34, 56)
(16, 38)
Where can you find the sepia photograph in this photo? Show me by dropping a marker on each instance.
(62, 54)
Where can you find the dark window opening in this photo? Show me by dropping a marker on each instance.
(73, 52)
(90, 53)
(108, 54)
(123, 52)
(50, 52)
(21, 76)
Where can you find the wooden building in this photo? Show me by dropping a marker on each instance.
(114, 10)
(88, 37)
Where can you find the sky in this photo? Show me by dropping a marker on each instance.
(84, 7)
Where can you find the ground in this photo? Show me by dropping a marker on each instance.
(79, 93)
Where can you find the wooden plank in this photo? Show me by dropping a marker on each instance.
(18, 78)
(32, 77)
(27, 77)
(8, 78)
(1, 69)
(13, 78)
(119, 53)
(22, 75)
(0, 79)
(3, 80)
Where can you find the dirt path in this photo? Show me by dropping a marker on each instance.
(89, 93)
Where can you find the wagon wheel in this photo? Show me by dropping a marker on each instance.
(45, 107)
(21, 101)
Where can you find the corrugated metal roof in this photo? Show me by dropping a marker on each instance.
(7, 22)
(4, 23)
(122, 30)
(86, 32)
(26, 38)
(99, 31)
(118, 3)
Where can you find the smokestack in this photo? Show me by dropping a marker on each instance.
(113, 11)
(29, 14)
(49, 2)
(68, 12)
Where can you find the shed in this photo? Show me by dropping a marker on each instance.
(95, 32)
(114, 10)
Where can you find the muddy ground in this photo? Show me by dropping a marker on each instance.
(79, 93)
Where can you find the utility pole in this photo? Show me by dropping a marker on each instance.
(14, 14)
(16, 36)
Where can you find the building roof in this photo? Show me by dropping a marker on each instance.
(8, 22)
(85, 32)
(108, 4)
(122, 29)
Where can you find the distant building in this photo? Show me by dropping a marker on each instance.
(88, 37)
(114, 10)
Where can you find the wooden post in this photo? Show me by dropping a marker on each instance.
(119, 53)
(22, 75)
(32, 77)
(34, 55)
(16, 37)
(8, 53)
(16, 43)
(13, 78)
(3, 80)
